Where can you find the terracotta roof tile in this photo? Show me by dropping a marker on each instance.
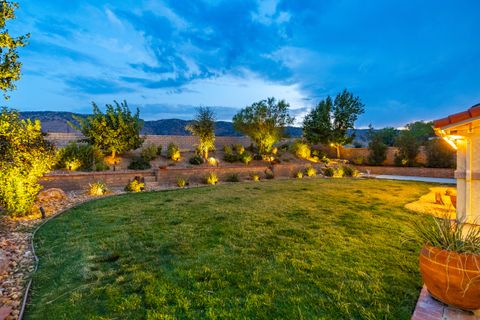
(473, 112)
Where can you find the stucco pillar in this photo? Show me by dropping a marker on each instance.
(473, 207)
(460, 175)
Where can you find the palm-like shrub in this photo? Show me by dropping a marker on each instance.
(299, 174)
(182, 183)
(135, 186)
(97, 189)
(211, 178)
(203, 127)
(255, 177)
(310, 171)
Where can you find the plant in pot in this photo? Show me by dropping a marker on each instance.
(450, 262)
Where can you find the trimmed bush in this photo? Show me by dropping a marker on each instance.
(333, 172)
(97, 189)
(269, 174)
(378, 151)
(238, 148)
(233, 178)
(159, 150)
(440, 154)
(301, 150)
(139, 163)
(80, 156)
(136, 185)
(196, 160)
(211, 178)
(149, 152)
(350, 171)
(230, 157)
(173, 152)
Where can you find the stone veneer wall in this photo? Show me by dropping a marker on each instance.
(184, 142)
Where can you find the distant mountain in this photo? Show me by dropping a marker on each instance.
(53, 121)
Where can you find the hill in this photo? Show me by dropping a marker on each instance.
(54, 121)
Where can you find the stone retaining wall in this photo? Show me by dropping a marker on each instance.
(81, 180)
(408, 171)
(167, 175)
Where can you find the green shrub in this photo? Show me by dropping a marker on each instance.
(359, 160)
(136, 185)
(97, 189)
(299, 174)
(182, 183)
(233, 178)
(246, 157)
(230, 157)
(257, 157)
(149, 152)
(333, 172)
(407, 145)
(238, 148)
(310, 171)
(173, 152)
(25, 156)
(227, 149)
(378, 151)
(139, 163)
(159, 150)
(255, 177)
(80, 156)
(301, 150)
(269, 174)
(325, 160)
(196, 160)
(439, 154)
(350, 171)
(211, 178)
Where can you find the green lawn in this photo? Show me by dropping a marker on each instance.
(291, 249)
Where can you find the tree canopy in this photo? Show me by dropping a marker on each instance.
(264, 122)
(203, 127)
(328, 122)
(9, 63)
(115, 131)
(25, 156)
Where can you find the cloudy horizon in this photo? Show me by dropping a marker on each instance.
(407, 61)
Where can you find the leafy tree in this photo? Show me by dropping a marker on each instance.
(317, 125)
(377, 146)
(25, 156)
(387, 135)
(422, 131)
(264, 122)
(407, 145)
(203, 127)
(329, 123)
(115, 132)
(440, 154)
(9, 64)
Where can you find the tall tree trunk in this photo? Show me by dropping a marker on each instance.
(338, 151)
(114, 153)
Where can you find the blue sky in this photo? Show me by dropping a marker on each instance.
(407, 60)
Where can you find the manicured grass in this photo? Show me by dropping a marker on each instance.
(291, 249)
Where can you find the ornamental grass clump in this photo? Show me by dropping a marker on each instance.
(246, 157)
(310, 172)
(448, 235)
(299, 175)
(255, 177)
(182, 183)
(135, 186)
(211, 178)
(97, 189)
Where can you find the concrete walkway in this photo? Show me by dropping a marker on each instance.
(412, 178)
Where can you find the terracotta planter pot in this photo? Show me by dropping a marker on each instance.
(452, 278)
